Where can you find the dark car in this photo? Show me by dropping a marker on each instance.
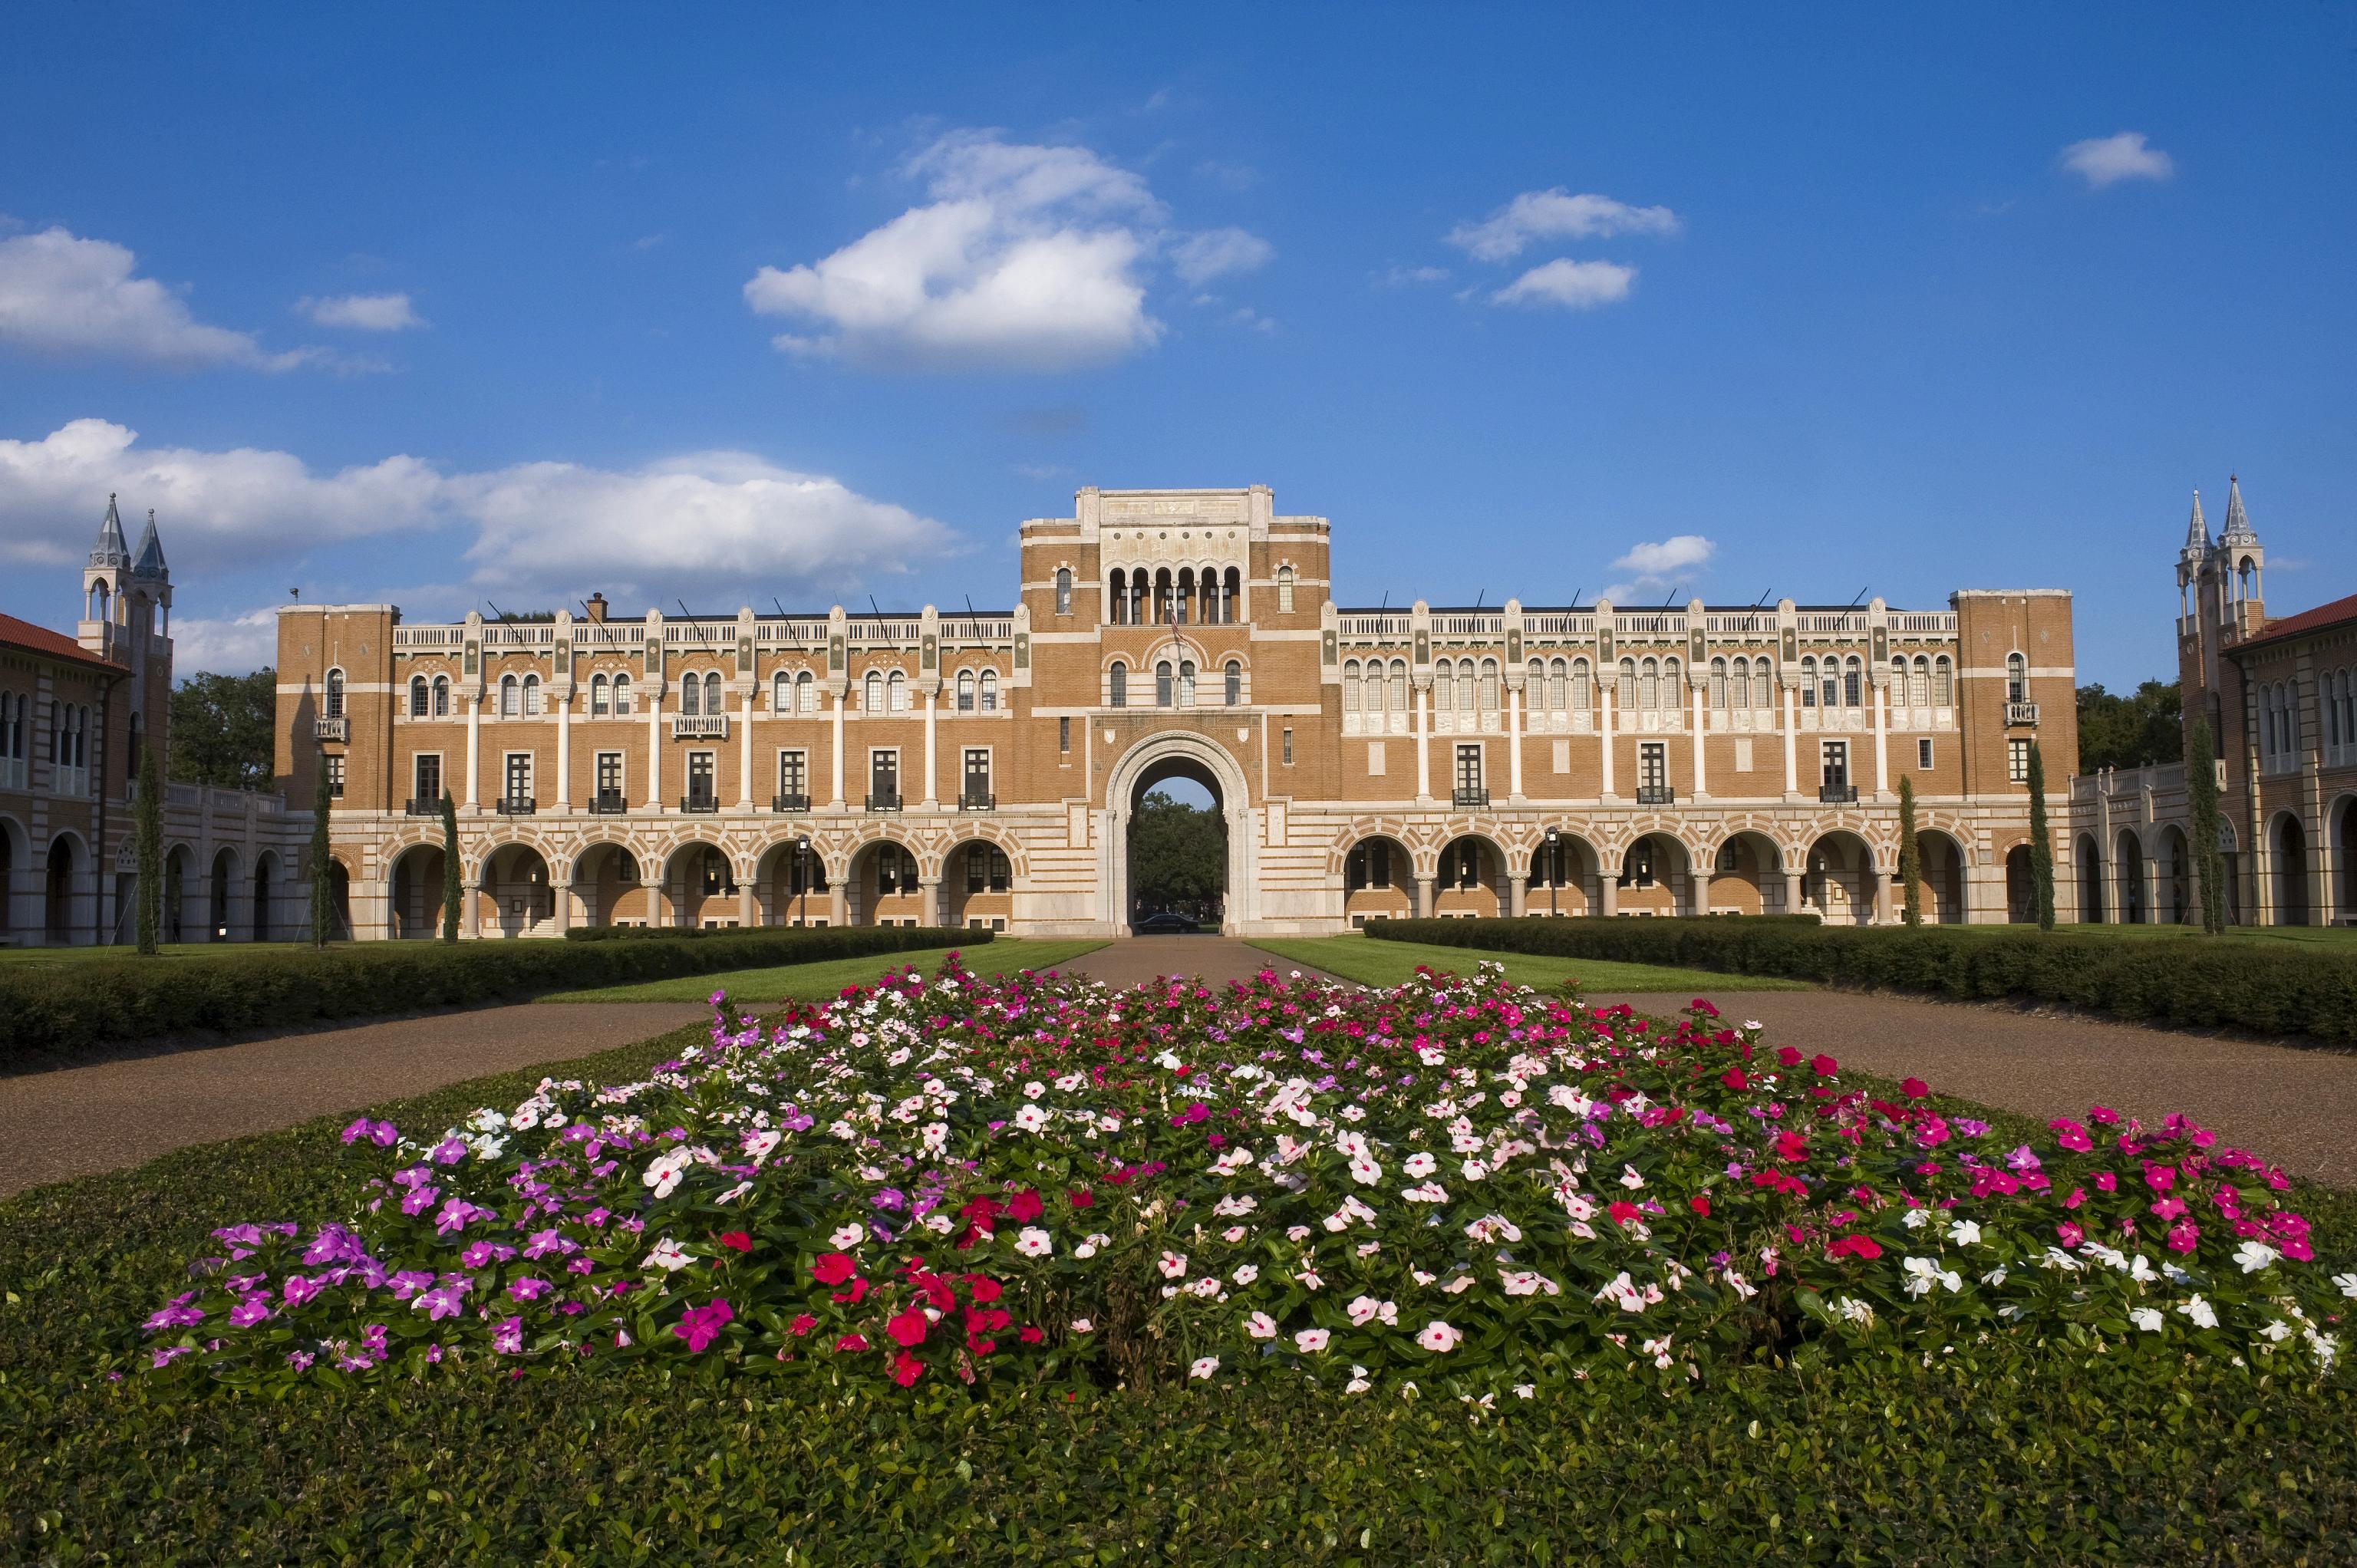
(1167, 923)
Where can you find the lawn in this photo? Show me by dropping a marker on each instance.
(125, 950)
(1391, 963)
(756, 988)
(2343, 938)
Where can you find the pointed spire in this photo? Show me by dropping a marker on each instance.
(149, 562)
(2196, 532)
(110, 550)
(2238, 523)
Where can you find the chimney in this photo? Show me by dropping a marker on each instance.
(596, 605)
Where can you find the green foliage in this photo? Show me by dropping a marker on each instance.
(50, 1012)
(2285, 990)
(147, 836)
(1911, 854)
(2041, 841)
(223, 729)
(450, 884)
(2201, 791)
(1178, 854)
(2133, 731)
(323, 898)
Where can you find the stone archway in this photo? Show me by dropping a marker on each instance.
(415, 882)
(1941, 867)
(1177, 753)
(2288, 850)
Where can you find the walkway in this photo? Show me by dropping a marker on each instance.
(2295, 1107)
(114, 1115)
(1134, 961)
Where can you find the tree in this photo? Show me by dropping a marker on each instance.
(323, 901)
(223, 729)
(1177, 853)
(2202, 790)
(449, 868)
(1911, 856)
(148, 829)
(2136, 731)
(2042, 842)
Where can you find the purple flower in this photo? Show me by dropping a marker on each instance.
(543, 1242)
(334, 1244)
(299, 1360)
(449, 1152)
(455, 1215)
(164, 1356)
(698, 1324)
(483, 1253)
(299, 1289)
(420, 1199)
(179, 1315)
(442, 1302)
(527, 1288)
(508, 1337)
(408, 1283)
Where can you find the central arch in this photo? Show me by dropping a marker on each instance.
(1178, 755)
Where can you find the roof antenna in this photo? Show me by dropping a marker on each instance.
(970, 612)
(702, 640)
(1575, 598)
(781, 608)
(877, 607)
(1762, 598)
(501, 615)
(1861, 594)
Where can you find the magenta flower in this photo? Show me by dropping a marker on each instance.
(700, 1324)
(508, 1337)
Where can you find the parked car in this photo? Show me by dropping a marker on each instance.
(1169, 922)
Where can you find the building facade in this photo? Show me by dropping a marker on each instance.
(981, 768)
(2281, 701)
(75, 715)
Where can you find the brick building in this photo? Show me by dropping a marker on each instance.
(981, 768)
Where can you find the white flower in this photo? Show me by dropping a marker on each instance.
(1168, 1063)
(1233, 1234)
(1364, 1171)
(1033, 1242)
(1034, 1089)
(1526, 1391)
(667, 1255)
(2255, 1255)
(1358, 1383)
(1204, 1368)
(2203, 1314)
(1475, 1170)
(1963, 1232)
(2346, 1284)
(1916, 1218)
(1312, 1340)
(1030, 1118)
(1365, 1309)
(1419, 1165)
(1311, 1279)
(762, 1145)
(663, 1173)
(2146, 1318)
(1083, 1326)
(847, 1238)
(2277, 1331)
(1854, 1310)
(1630, 1179)
(1439, 1336)
(1245, 1273)
(1261, 1325)
(1426, 1192)
(1085, 1250)
(940, 1224)
(1173, 1265)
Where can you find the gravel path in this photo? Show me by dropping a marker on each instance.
(114, 1114)
(2295, 1106)
(1133, 960)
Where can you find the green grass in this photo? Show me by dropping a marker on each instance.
(2342, 937)
(1392, 963)
(757, 988)
(168, 949)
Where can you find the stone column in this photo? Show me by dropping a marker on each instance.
(1791, 892)
(474, 752)
(748, 904)
(1518, 895)
(745, 754)
(1791, 749)
(1702, 776)
(835, 778)
(196, 906)
(1881, 738)
(564, 756)
(838, 904)
(654, 750)
(1882, 916)
(928, 901)
(1514, 744)
(561, 899)
(470, 907)
(1608, 887)
(1605, 690)
(2156, 892)
(932, 797)
(1424, 897)
(1424, 746)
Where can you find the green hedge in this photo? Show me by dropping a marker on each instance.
(2263, 988)
(53, 1011)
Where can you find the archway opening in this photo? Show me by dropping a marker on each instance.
(701, 882)
(2091, 881)
(1745, 877)
(1378, 881)
(1177, 847)
(978, 887)
(888, 887)
(416, 913)
(793, 885)
(1470, 883)
(7, 878)
(57, 899)
(2291, 871)
(339, 902)
(610, 888)
(1654, 877)
(2129, 865)
(2020, 887)
(515, 884)
(1565, 876)
(171, 924)
(1940, 864)
(2178, 877)
(265, 889)
(1838, 881)
(223, 877)
(2344, 837)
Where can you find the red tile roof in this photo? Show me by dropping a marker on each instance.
(2317, 619)
(40, 639)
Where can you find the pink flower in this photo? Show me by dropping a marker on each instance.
(1439, 1336)
(699, 1324)
(2070, 1234)
(907, 1328)
(2071, 1135)
(1864, 1247)
(2183, 1235)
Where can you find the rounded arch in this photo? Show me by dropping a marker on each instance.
(697, 882)
(2287, 854)
(1564, 874)
(515, 891)
(2088, 857)
(16, 854)
(414, 884)
(978, 877)
(1469, 877)
(795, 883)
(2176, 904)
(1655, 874)
(608, 884)
(2340, 843)
(1941, 860)
(2128, 890)
(68, 890)
(1177, 753)
(1839, 880)
(2020, 887)
(887, 878)
(1378, 876)
(1746, 875)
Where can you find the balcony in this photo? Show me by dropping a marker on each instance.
(2021, 714)
(1838, 794)
(783, 803)
(607, 803)
(338, 728)
(699, 726)
(515, 805)
(423, 808)
(1475, 796)
(883, 799)
(1657, 795)
(699, 804)
(977, 800)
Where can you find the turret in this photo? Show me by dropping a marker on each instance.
(2240, 561)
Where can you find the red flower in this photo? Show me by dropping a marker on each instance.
(1622, 1212)
(982, 1290)
(907, 1369)
(1856, 1245)
(1700, 1204)
(979, 1345)
(1791, 1147)
(908, 1327)
(853, 1293)
(852, 1342)
(803, 1324)
(1823, 1066)
(1030, 1336)
(834, 1268)
(1025, 1206)
(1705, 1008)
(1082, 1197)
(1733, 1077)
(1914, 1088)
(1789, 1056)
(736, 1241)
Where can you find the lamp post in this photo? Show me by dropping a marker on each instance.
(801, 875)
(1555, 870)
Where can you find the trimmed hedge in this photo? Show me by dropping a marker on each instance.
(2267, 989)
(2058, 1453)
(50, 1011)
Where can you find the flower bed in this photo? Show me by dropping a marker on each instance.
(1460, 1186)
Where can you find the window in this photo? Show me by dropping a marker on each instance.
(805, 692)
(1919, 684)
(2017, 678)
(1763, 689)
(1558, 686)
(1064, 590)
(1398, 702)
(1444, 686)
(1628, 693)
(1117, 685)
(609, 781)
(712, 693)
(986, 868)
(714, 874)
(1672, 686)
(1162, 684)
(1064, 736)
(1460, 865)
(2017, 761)
(884, 775)
(1809, 681)
(700, 788)
(989, 684)
(1852, 676)
(1836, 764)
(441, 696)
(420, 700)
(1639, 872)
(335, 693)
(1923, 755)
(1830, 695)
(510, 697)
(1489, 685)
(1284, 590)
(1583, 700)
(1718, 692)
(977, 773)
(965, 692)
(622, 695)
(1551, 865)
(1235, 688)
(1649, 687)
(1739, 691)
(1288, 745)
(896, 692)
(781, 693)
(872, 699)
(531, 694)
(1943, 683)
(1186, 682)
(518, 776)
(1468, 775)
(598, 694)
(794, 775)
(1369, 865)
(1353, 688)
(691, 697)
(425, 774)
(896, 869)
(334, 767)
(1652, 765)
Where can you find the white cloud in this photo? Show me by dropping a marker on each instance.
(553, 530)
(1027, 258)
(232, 646)
(1574, 285)
(2104, 160)
(363, 312)
(63, 295)
(1556, 214)
(1216, 253)
(1658, 566)
(1405, 277)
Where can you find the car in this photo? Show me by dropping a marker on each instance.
(1169, 922)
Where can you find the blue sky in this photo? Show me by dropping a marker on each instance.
(443, 306)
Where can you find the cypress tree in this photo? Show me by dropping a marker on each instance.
(147, 826)
(449, 868)
(323, 906)
(2201, 791)
(1911, 856)
(2042, 842)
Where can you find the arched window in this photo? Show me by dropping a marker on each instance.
(712, 693)
(1235, 673)
(1164, 593)
(441, 696)
(1628, 685)
(335, 693)
(1186, 682)
(2017, 678)
(896, 691)
(872, 701)
(1489, 685)
(1162, 684)
(510, 697)
(691, 696)
(1183, 596)
(1284, 590)
(621, 696)
(1118, 597)
(1649, 685)
(1853, 675)
(1465, 689)
(1558, 685)
(1738, 695)
(1809, 681)
(1398, 702)
(1673, 687)
(530, 696)
(1117, 685)
(1718, 692)
(420, 700)
(1444, 685)
(1899, 680)
(989, 691)
(1232, 595)
(598, 699)
(1583, 696)
(781, 692)
(805, 693)
(1918, 689)
(965, 690)
(1064, 590)
(1943, 683)
(1354, 687)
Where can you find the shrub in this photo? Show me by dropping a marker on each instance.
(2267, 989)
(52, 1011)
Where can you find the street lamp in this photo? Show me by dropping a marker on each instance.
(801, 876)
(1555, 870)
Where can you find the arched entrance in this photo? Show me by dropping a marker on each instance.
(2176, 878)
(2020, 887)
(1567, 877)
(1940, 863)
(171, 922)
(416, 912)
(701, 883)
(2128, 865)
(1378, 881)
(1656, 875)
(265, 889)
(339, 902)
(515, 887)
(1471, 879)
(9, 857)
(224, 881)
(59, 922)
(2091, 880)
(2344, 837)
(792, 878)
(888, 887)
(609, 889)
(1175, 755)
(2290, 849)
(978, 887)
(1839, 881)
(1745, 877)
